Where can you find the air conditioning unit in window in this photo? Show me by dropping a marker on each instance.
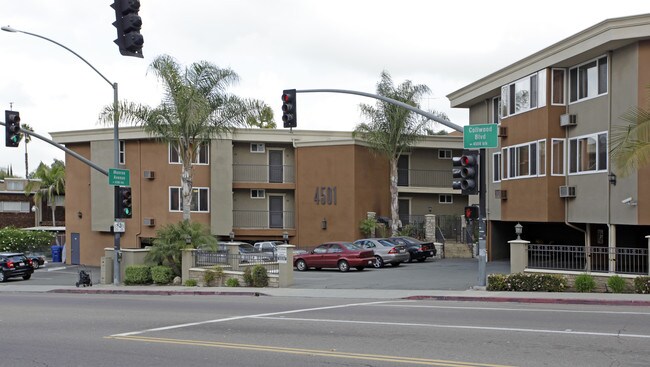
(567, 191)
(149, 222)
(568, 120)
(501, 194)
(503, 131)
(149, 175)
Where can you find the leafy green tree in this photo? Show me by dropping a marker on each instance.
(393, 130)
(195, 108)
(171, 239)
(631, 143)
(50, 182)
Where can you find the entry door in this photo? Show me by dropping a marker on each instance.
(403, 170)
(74, 249)
(276, 212)
(276, 173)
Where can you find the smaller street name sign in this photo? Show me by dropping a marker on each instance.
(119, 177)
(480, 136)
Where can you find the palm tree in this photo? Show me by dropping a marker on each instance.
(631, 143)
(28, 138)
(195, 108)
(392, 130)
(50, 183)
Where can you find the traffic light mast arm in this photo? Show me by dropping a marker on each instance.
(428, 115)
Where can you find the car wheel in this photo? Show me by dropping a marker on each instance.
(2, 277)
(344, 266)
(422, 259)
(359, 268)
(379, 262)
(301, 265)
(35, 264)
(395, 264)
(26, 277)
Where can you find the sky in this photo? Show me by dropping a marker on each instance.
(271, 45)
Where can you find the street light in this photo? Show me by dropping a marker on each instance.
(116, 157)
(518, 229)
(285, 236)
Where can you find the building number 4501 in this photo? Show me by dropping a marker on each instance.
(325, 195)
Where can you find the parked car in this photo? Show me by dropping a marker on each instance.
(418, 250)
(247, 252)
(272, 247)
(38, 260)
(386, 252)
(14, 265)
(341, 255)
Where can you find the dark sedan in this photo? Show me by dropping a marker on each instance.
(37, 260)
(418, 250)
(14, 265)
(341, 255)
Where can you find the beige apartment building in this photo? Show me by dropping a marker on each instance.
(257, 184)
(557, 110)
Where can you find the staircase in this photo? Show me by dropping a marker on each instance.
(455, 250)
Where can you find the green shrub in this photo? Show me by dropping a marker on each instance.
(191, 283)
(367, 225)
(137, 274)
(260, 276)
(642, 285)
(232, 282)
(13, 239)
(161, 274)
(524, 282)
(584, 283)
(617, 284)
(248, 276)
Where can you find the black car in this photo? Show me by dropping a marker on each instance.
(418, 250)
(14, 265)
(37, 260)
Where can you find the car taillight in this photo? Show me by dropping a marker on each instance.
(10, 264)
(393, 251)
(423, 248)
(29, 261)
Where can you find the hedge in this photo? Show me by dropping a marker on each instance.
(526, 282)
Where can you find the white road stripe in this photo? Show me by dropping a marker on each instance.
(517, 309)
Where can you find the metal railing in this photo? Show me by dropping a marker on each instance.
(263, 219)
(263, 173)
(575, 258)
(424, 178)
(209, 258)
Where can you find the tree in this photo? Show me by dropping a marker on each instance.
(631, 143)
(27, 138)
(195, 108)
(171, 239)
(392, 130)
(50, 183)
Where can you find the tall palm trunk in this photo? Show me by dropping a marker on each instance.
(394, 203)
(186, 188)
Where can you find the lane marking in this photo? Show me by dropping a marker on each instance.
(308, 352)
(179, 326)
(466, 327)
(517, 309)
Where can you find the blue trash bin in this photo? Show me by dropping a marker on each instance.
(56, 253)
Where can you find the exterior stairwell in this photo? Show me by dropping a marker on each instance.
(458, 250)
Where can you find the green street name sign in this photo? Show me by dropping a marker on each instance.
(119, 177)
(480, 136)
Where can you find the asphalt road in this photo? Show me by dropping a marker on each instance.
(128, 330)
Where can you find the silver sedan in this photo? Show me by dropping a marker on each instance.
(386, 252)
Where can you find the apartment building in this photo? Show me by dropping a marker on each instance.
(556, 111)
(257, 184)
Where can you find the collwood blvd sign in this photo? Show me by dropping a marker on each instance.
(480, 136)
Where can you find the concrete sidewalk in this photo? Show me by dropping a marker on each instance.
(624, 299)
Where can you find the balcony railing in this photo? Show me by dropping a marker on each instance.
(574, 258)
(263, 219)
(424, 178)
(263, 173)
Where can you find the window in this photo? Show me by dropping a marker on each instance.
(557, 157)
(496, 112)
(258, 194)
(444, 153)
(588, 153)
(588, 80)
(257, 147)
(122, 154)
(523, 95)
(496, 167)
(524, 160)
(200, 199)
(14, 207)
(15, 185)
(202, 154)
(445, 199)
(558, 85)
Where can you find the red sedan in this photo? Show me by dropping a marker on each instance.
(341, 255)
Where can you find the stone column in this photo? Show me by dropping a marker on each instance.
(518, 255)
(285, 265)
(233, 255)
(188, 261)
(648, 237)
(430, 227)
(373, 231)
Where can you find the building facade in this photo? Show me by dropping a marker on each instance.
(257, 184)
(557, 110)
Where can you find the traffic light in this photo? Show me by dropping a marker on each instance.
(128, 24)
(124, 202)
(12, 128)
(471, 212)
(289, 108)
(465, 168)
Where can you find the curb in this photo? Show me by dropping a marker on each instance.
(565, 301)
(156, 292)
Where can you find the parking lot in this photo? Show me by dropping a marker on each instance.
(437, 274)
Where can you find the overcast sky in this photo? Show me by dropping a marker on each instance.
(272, 45)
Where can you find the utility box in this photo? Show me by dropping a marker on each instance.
(106, 271)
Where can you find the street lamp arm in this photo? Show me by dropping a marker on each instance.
(13, 30)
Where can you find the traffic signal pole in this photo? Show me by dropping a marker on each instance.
(482, 230)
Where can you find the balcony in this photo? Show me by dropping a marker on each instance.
(263, 173)
(424, 178)
(263, 219)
